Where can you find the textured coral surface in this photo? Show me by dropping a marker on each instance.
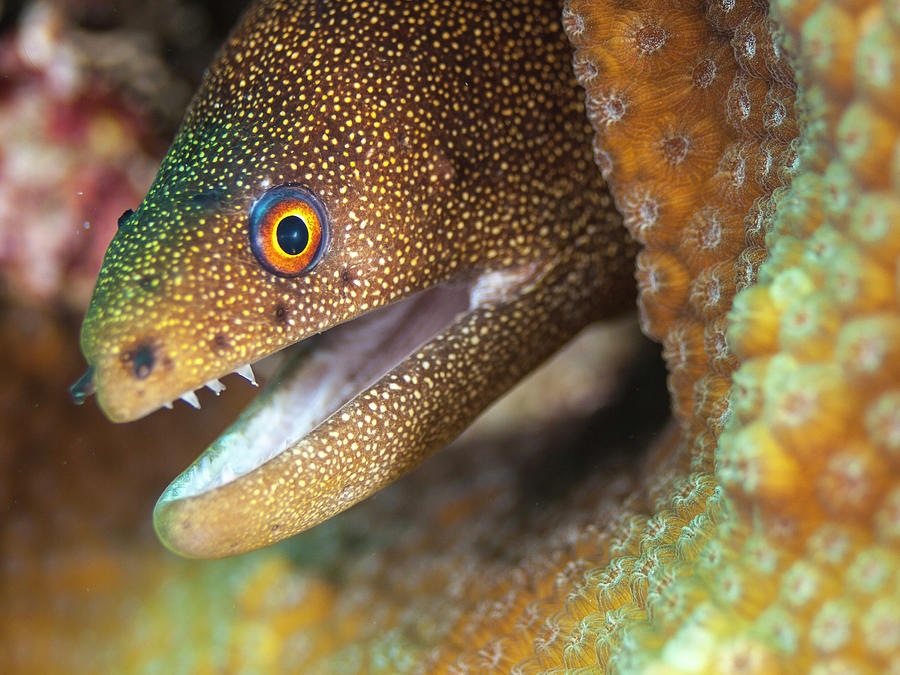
(761, 533)
(72, 158)
(798, 570)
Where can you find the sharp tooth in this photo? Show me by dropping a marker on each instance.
(191, 398)
(247, 373)
(168, 404)
(216, 386)
(228, 474)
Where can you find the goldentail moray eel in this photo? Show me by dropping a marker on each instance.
(415, 178)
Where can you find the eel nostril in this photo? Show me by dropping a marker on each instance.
(147, 282)
(123, 219)
(143, 362)
(84, 387)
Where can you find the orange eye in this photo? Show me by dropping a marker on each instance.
(287, 230)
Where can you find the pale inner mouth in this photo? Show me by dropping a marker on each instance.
(315, 383)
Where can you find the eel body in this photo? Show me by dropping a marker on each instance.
(418, 172)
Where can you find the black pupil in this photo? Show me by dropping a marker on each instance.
(292, 235)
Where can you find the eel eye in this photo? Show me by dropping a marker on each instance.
(287, 230)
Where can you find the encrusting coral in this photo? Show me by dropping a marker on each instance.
(693, 109)
(369, 591)
(811, 463)
(754, 153)
(784, 556)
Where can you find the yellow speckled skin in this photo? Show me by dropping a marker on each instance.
(445, 140)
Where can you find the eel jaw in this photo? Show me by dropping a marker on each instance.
(317, 429)
(313, 384)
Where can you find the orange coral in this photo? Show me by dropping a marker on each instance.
(780, 580)
(701, 99)
(693, 129)
(370, 590)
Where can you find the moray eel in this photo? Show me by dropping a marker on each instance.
(423, 166)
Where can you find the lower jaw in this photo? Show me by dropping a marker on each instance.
(316, 377)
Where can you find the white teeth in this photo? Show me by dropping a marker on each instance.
(191, 398)
(247, 373)
(228, 473)
(216, 386)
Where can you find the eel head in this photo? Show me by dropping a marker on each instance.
(420, 192)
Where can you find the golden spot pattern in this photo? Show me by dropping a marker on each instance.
(445, 140)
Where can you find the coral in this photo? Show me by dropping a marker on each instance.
(779, 580)
(826, 308)
(73, 158)
(84, 117)
(694, 131)
(370, 591)
(696, 92)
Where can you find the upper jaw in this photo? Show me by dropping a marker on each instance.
(130, 403)
(140, 376)
(125, 393)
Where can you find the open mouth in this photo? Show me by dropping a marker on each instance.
(316, 380)
(355, 408)
(320, 375)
